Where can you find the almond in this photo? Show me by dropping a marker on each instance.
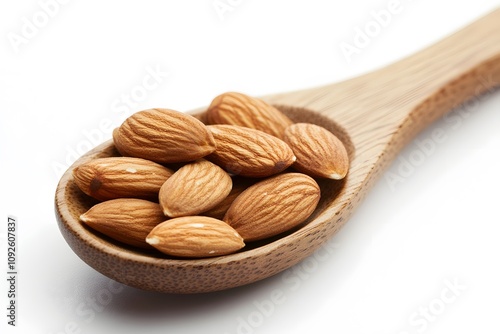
(239, 185)
(128, 220)
(164, 136)
(240, 109)
(194, 188)
(319, 152)
(249, 152)
(118, 177)
(195, 236)
(273, 206)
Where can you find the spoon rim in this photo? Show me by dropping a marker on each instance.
(260, 261)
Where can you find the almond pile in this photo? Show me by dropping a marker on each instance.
(193, 190)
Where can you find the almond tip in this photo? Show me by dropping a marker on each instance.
(336, 176)
(167, 213)
(153, 241)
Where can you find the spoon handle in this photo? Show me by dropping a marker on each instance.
(444, 76)
(401, 99)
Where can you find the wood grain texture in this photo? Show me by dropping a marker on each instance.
(375, 116)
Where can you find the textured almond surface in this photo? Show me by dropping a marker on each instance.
(127, 220)
(273, 206)
(194, 188)
(319, 152)
(164, 136)
(195, 236)
(249, 152)
(239, 185)
(118, 177)
(240, 109)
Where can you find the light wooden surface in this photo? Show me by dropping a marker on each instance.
(375, 115)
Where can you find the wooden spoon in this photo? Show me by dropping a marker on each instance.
(375, 115)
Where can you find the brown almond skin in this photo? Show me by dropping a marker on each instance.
(163, 136)
(127, 220)
(273, 206)
(319, 152)
(194, 188)
(121, 177)
(240, 184)
(249, 152)
(195, 237)
(239, 109)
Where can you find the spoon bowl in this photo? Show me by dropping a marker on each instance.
(374, 115)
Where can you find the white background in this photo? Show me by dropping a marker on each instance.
(395, 258)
